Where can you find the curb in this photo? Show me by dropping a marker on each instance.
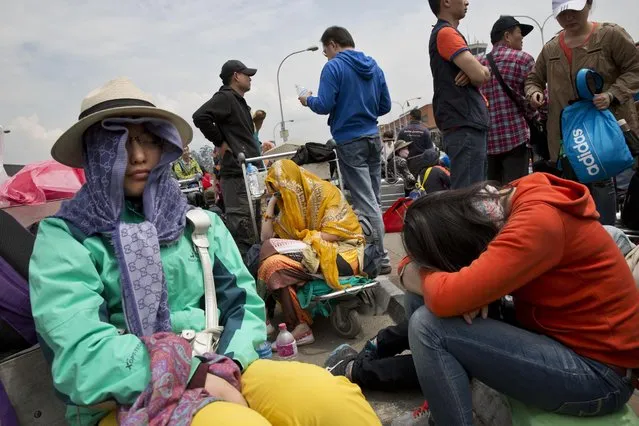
(389, 300)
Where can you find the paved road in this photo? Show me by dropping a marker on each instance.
(387, 405)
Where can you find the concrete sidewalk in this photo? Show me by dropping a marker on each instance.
(387, 405)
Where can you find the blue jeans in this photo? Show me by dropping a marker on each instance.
(361, 167)
(466, 148)
(529, 367)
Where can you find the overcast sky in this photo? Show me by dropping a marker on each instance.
(52, 53)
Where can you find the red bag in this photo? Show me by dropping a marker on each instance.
(206, 181)
(394, 216)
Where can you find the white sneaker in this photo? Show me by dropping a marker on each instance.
(303, 336)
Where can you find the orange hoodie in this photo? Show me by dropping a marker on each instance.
(567, 277)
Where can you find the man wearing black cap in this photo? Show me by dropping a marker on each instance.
(226, 121)
(508, 134)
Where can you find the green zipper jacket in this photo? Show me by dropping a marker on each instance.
(76, 304)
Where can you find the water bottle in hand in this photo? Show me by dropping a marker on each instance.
(286, 344)
(301, 91)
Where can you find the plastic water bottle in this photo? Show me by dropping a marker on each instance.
(286, 344)
(264, 350)
(301, 90)
(253, 180)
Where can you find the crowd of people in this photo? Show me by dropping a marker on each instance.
(571, 349)
(114, 309)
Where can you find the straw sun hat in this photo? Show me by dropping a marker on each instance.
(117, 98)
(400, 144)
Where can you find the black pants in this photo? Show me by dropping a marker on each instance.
(386, 370)
(508, 166)
(605, 198)
(237, 213)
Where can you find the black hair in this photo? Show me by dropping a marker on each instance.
(435, 6)
(227, 80)
(444, 231)
(339, 36)
(416, 114)
(499, 36)
(388, 134)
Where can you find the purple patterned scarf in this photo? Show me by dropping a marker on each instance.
(166, 400)
(97, 208)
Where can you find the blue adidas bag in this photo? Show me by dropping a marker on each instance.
(593, 142)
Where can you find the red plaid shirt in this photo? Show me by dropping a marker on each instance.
(508, 128)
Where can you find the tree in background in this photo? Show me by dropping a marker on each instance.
(204, 157)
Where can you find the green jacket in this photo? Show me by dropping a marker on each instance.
(76, 304)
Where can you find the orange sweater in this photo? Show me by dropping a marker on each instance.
(566, 275)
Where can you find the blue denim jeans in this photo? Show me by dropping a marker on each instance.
(529, 367)
(466, 148)
(361, 167)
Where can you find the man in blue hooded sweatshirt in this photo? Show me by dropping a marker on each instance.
(353, 92)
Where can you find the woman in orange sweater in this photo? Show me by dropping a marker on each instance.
(575, 350)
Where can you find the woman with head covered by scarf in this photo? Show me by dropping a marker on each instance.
(308, 229)
(115, 279)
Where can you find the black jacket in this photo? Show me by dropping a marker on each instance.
(226, 117)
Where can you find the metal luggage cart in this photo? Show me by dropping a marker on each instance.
(346, 304)
(193, 190)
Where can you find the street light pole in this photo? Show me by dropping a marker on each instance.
(400, 117)
(279, 92)
(279, 123)
(3, 173)
(540, 26)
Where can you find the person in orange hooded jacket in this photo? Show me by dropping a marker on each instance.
(574, 349)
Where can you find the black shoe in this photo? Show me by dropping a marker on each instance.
(385, 270)
(337, 362)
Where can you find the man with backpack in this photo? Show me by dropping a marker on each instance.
(508, 134)
(419, 136)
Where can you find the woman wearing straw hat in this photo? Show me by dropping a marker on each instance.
(398, 166)
(115, 279)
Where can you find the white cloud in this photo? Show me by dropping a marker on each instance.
(54, 53)
(31, 128)
(29, 139)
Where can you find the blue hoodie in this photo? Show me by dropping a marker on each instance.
(353, 91)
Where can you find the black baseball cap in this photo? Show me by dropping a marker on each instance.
(505, 23)
(231, 67)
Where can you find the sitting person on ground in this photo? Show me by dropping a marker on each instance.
(308, 229)
(398, 166)
(186, 167)
(380, 365)
(388, 140)
(434, 175)
(115, 308)
(575, 350)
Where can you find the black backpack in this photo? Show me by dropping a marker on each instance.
(630, 209)
(314, 152)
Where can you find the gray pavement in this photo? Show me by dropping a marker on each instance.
(387, 405)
